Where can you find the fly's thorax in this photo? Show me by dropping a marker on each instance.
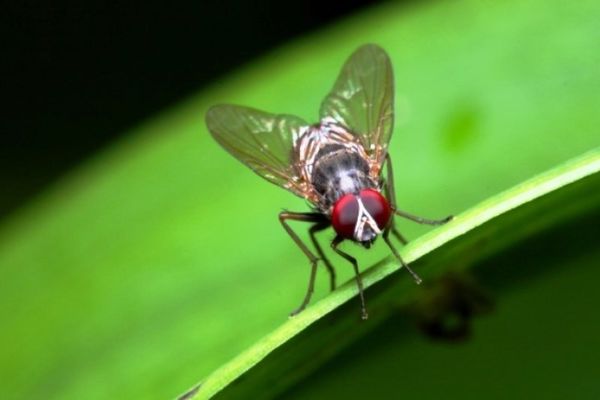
(338, 173)
(333, 162)
(362, 216)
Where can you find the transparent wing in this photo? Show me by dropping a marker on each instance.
(362, 99)
(262, 141)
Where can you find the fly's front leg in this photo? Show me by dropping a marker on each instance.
(312, 231)
(334, 245)
(398, 235)
(386, 238)
(305, 217)
(421, 220)
(391, 196)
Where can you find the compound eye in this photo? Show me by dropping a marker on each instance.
(377, 206)
(345, 216)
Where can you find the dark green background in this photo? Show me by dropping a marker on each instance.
(77, 75)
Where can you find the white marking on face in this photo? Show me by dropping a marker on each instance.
(364, 218)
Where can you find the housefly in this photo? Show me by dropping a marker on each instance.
(336, 164)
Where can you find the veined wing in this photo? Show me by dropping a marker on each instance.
(262, 141)
(362, 99)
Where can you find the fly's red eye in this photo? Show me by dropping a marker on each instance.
(345, 215)
(377, 206)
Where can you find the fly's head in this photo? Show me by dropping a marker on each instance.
(361, 217)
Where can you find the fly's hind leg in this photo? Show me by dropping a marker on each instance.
(319, 221)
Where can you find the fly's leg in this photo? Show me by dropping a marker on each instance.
(312, 231)
(390, 193)
(398, 235)
(386, 238)
(352, 260)
(305, 217)
(421, 220)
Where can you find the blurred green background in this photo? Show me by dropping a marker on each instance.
(161, 257)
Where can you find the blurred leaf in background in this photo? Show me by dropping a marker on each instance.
(162, 258)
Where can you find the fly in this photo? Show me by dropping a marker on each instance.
(336, 164)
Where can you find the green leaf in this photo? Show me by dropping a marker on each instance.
(488, 227)
(161, 258)
(539, 341)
